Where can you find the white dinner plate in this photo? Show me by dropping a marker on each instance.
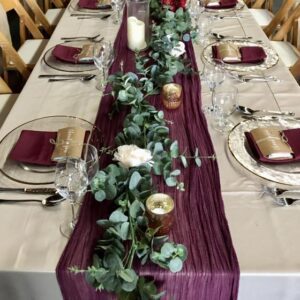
(285, 175)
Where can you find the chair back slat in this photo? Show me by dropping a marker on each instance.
(11, 58)
(4, 88)
(25, 19)
(39, 15)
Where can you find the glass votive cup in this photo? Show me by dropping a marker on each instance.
(160, 212)
(171, 95)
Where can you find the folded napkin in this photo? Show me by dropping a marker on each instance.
(34, 147)
(214, 4)
(74, 55)
(292, 137)
(95, 4)
(248, 55)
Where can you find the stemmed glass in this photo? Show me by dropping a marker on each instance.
(72, 177)
(103, 58)
(213, 75)
(225, 103)
(203, 28)
(196, 7)
(117, 7)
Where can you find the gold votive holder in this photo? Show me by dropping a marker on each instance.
(159, 210)
(171, 95)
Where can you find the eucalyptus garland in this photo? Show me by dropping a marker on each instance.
(127, 235)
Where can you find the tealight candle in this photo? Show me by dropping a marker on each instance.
(171, 95)
(159, 208)
(136, 35)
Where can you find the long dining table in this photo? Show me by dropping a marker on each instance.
(265, 235)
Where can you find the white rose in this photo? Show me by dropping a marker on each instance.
(178, 50)
(132, 156)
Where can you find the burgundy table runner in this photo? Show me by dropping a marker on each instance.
(211, 271)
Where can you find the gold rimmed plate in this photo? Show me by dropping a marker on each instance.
(280, 175)
(270, 61)
(34, 174)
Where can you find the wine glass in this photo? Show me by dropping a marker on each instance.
(103, 58)
(225, 103)
(203, 29)
(196, 7)
(72, 177)
(117, 7)
(213, 75)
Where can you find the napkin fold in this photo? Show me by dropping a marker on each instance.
(34, 147)
(94, 4)
(293, 139)
(71, 55)
(221, 4)
(249, 55)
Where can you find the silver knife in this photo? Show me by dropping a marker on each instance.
(45, 191)
(270, 118)
(65, 75)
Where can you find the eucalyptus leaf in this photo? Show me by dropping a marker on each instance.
(184, 161)
(171, 181)
(118, 217)
(175, 265)
(167, 250)
(135, 208)
(124, 231)
(134, 180)
(198, 161)
(100, 195)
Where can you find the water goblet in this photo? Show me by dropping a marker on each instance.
(203, 29)
(195, 7)
(214, 75)
(72, 177)
(103, 57)
(117, 7)
(225, 103)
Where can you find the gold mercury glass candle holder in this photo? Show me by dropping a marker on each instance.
(159, 210)
(171, 95)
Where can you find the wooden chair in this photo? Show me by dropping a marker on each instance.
(7, 100)
(263, 14)
(31, 49)
(55, 3)
(295, 70)
(25, 20)
(12, 60)
(285, 38)
(47, 21)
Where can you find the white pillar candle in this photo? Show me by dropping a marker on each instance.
(136, 34)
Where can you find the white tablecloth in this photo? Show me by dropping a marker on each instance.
(265, 236)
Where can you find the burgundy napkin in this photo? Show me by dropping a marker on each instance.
(92, 4)
(66, 53)
(293, 137)
(250, 54)
(224, 4)
(34, 147)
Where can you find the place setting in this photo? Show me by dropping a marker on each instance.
(80, 57)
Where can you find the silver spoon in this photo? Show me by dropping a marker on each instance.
(83, 78)
(81, 37)
(248, 111)
(49, 201)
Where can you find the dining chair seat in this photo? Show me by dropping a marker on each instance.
(31, 51)
(263, 17)
(53, 15)
(287, 53)
(7, 101)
